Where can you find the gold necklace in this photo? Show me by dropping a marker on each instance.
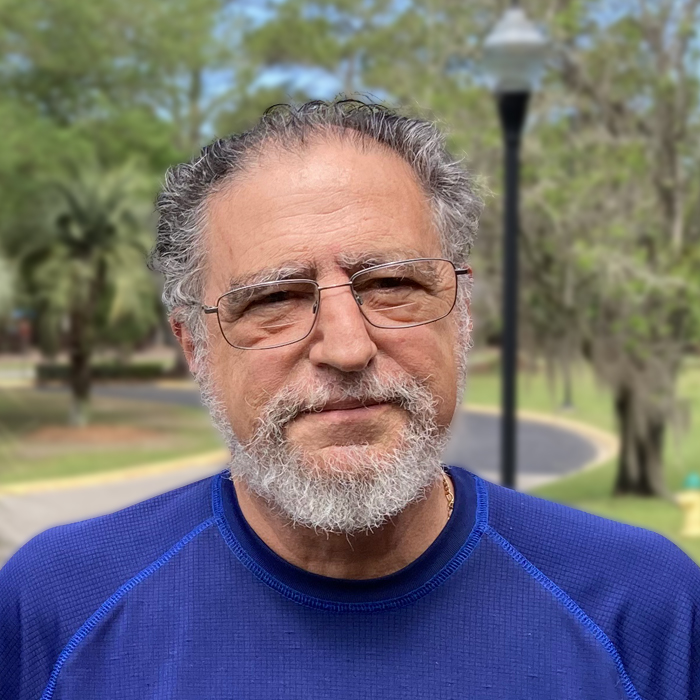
(448, 495)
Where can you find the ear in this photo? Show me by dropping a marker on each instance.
(186, 343)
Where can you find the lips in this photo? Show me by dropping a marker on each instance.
(342, 410)
(348, 405)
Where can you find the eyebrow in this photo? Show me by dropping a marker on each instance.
(290, 270)
(308, 270)
(353, 262)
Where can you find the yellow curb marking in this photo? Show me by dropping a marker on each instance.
(15, 383)
(116, 476)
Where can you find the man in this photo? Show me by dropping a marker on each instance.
(316, 276)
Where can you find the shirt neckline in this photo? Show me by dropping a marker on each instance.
(445, 555)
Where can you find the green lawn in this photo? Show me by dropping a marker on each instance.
(591, 490)
(36, 443)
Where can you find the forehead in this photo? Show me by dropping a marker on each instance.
(322, 203)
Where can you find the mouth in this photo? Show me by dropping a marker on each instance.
(347, 410)
(348, 405)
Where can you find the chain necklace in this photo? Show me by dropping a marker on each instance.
(448, 495)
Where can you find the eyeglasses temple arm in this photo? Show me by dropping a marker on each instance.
(210, 309)
(463, 271)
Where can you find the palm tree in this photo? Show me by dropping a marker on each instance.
(87, 267)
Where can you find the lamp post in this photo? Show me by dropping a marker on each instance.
(514, 53)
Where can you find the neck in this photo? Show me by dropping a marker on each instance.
(362, 556)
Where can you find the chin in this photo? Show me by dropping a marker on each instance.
(349, 453)
(345, 463)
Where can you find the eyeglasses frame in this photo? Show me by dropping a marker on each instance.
(317, 306)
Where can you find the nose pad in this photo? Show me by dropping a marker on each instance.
(358, 299)
(315, 308)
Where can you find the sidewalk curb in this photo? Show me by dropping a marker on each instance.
(607, 445)
(218, 457)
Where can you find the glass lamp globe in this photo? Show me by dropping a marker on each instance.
(514, 53)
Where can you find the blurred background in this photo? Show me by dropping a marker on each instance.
(97, 99)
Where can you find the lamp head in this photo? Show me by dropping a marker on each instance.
(514, 53)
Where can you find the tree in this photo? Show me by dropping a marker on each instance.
(628, 91)
(109, 80)
(86, 268)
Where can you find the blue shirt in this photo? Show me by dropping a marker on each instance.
(517, 598)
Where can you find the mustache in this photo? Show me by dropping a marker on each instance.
(367, 387)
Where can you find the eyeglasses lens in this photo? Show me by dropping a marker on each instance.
(268, 315)
(406, 294)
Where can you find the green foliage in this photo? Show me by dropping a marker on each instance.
(89, 255)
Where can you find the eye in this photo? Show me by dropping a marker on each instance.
(388, 283)
(235, 307)
(391, 282)
(271, 298)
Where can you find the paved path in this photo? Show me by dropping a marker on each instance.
(545, 452)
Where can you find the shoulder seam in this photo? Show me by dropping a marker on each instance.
(92, 622)
(570, 604)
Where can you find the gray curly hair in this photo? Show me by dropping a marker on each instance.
(182, 202)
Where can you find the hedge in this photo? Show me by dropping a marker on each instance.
(103, 371)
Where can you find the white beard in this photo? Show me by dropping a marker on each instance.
(359, 487)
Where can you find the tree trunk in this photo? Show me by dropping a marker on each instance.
(627, 466)
(650, 450)
(80, 376)
(568, 392)
(640, 463)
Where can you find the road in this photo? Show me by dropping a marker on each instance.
(545, 452)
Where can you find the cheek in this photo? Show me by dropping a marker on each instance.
(429, 353)
(245, 381)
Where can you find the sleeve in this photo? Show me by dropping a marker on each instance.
(26, 654)
(656, 624)
(10, 639)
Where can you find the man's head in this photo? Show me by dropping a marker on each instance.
(343, 428)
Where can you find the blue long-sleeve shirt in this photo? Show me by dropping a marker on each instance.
(517, 598)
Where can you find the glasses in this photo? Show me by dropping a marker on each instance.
(393, 295)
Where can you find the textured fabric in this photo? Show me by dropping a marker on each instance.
(517, 598)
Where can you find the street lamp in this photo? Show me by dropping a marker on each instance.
(514, 53)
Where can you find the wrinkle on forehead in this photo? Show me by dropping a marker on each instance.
(273, 153)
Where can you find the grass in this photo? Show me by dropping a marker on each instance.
(591, 490)
(160, 432)
(591, 401)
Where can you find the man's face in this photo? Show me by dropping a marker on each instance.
(318, 209)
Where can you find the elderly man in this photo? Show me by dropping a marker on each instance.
(316, 276)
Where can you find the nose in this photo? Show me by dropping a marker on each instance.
(340, 338)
